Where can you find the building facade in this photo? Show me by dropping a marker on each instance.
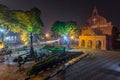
(98, 33)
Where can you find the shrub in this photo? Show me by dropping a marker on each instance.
(36, 67)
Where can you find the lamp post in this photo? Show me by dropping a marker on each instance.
(2, 34)
(66, 42)
(32, 54)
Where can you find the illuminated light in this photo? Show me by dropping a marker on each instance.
(2, 45)
(24, 38)
(7, 38)
(65, 38)
(72, 37)
(25, 43)
(47, 35)
(1, 30)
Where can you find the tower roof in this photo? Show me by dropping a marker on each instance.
(95, 11)
(96, 19)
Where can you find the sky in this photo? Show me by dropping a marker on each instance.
(68, 10)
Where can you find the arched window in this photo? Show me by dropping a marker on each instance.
(98, 44)
(89, 44)
(83, 43)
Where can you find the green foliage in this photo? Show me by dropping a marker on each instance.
(29, 20)
(58, 28)
(64, 28)
(71, 28)
(26, 20)
(34, 17)
(53, 48)
(40, 63)
(5, 14)
(20, 21)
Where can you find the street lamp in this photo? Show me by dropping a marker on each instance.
(47, 35)
(72, 37)
(66, 41)
(32, 54)
(1, 30)
(2, 34)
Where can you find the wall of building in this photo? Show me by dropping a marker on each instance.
(93, 42)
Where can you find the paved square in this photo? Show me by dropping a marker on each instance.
(105, 65)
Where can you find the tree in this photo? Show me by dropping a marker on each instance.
(64, 29)
(5, 21)
(58, 28)
(24, 19)
(71, 28)
(4, 16)
(34, 15)
(23, 22)
(29, 21)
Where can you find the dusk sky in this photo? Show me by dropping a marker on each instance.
(69, 10)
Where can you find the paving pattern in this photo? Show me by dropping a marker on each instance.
(105, 65)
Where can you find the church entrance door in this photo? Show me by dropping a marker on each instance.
(98, 45)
